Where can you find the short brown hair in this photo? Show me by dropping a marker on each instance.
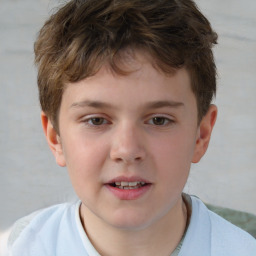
(83, 35)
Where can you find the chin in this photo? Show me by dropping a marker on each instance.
(128, 220)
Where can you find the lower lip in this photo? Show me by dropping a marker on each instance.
(129, 194)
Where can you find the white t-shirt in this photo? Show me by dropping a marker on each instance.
(57, 231)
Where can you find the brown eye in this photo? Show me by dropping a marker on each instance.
(97, 121)
(159, 120)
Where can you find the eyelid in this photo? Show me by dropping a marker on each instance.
(168, 118)
(86, 119)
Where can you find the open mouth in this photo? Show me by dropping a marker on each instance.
(128, 188)
(128, 185)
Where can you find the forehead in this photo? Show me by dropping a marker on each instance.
(133, 63)
(143, 83)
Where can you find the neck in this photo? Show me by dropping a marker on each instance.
(159, 238)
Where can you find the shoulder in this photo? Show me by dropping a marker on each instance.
(19, 226)
(232, 237)
(225, 238)
(42, 226)
(36, 218)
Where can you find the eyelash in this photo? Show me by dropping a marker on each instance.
(164, 121)
(89, 121)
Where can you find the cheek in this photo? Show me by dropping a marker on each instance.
(173, 154)
(176, 145)
(84, 155)
(84, 160)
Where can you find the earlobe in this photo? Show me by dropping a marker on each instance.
(53, 140)
(204, 133)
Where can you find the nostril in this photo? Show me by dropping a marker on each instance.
(127, 154)
(118, 160)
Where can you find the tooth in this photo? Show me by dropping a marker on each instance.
(129, 185)
(133, 184)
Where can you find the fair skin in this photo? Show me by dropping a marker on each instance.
(140, 128)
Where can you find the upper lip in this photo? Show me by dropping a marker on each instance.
(128, 179)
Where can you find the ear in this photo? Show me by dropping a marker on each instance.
(53, 140)
(204, 133)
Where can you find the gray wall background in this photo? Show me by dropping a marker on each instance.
(29, 177)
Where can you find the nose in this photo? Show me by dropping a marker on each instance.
(127, 145)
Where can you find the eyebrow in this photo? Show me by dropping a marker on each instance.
(93, 104)
(150, 105)
(165, 103)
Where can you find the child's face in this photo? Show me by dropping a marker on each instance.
(136, 128)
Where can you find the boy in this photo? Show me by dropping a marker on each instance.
(125, 89)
